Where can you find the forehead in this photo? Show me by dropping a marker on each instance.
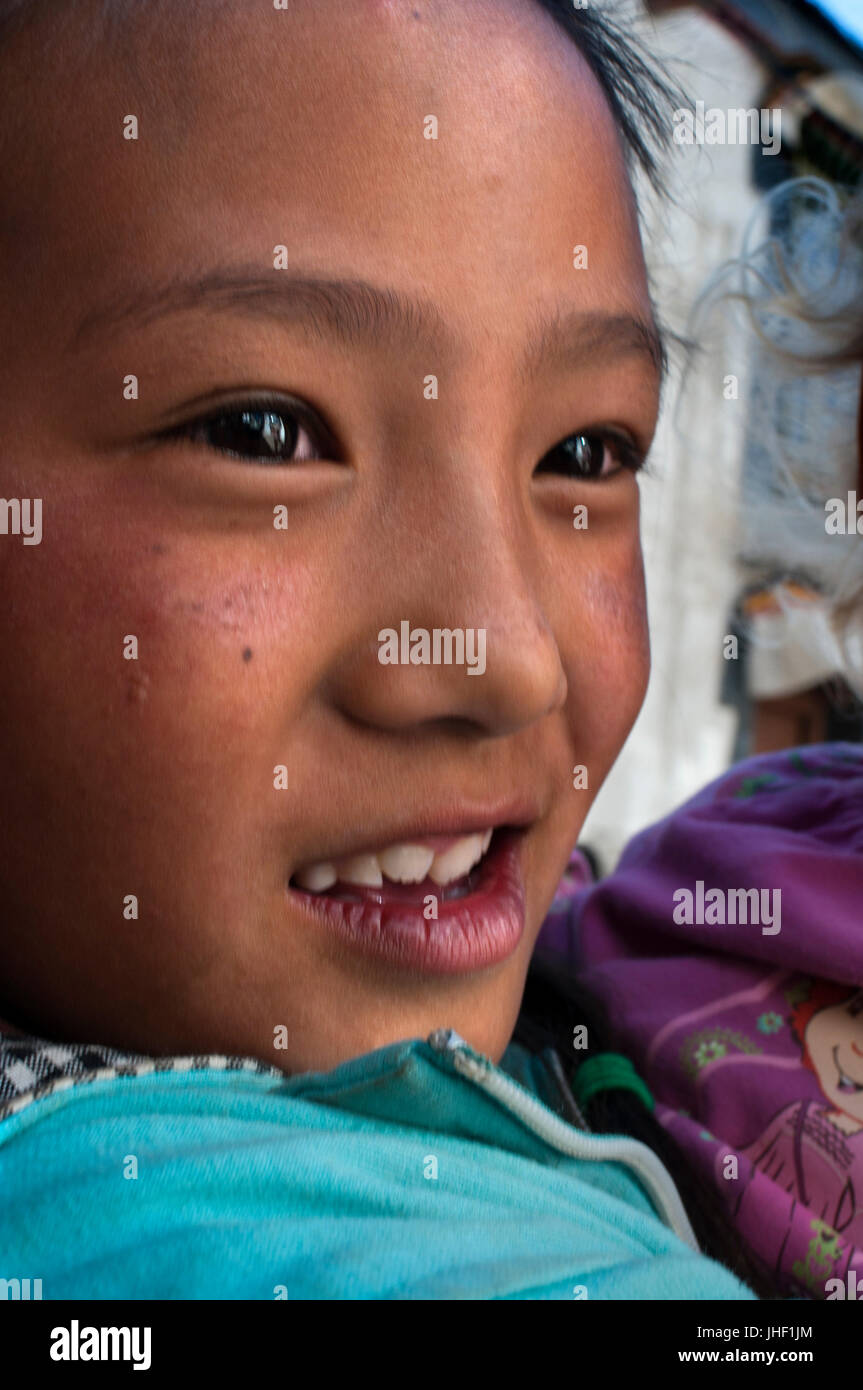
(309, 128)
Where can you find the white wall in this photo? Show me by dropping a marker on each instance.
(684, 737)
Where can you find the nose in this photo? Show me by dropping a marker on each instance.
(459, 634)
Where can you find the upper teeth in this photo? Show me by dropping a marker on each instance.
(399, 864)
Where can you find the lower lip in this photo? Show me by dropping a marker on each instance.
(470, 933)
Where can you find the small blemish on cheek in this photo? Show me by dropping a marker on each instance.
(247, 654)
(138, 688)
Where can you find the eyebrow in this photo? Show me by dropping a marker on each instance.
(570, 338)
(351, 311)
(354, 312)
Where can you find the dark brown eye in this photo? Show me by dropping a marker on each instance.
(590, 456)
(261, 432)
(267, 434)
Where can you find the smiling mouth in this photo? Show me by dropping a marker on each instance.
(434, 904)
(846, 1083)
(445, 866)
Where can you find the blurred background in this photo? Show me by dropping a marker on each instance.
(707, 575)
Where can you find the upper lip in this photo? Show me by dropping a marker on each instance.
(514, 815)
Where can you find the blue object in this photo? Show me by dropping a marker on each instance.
(419, 1171)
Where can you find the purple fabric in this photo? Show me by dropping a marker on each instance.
(716, 1014)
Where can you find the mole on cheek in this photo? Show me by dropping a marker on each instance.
(247, 654)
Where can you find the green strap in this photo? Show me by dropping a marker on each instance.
(608, 1071)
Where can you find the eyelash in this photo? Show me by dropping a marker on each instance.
(305, 421)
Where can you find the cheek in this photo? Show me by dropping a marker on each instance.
(821, 1038)
(842, 1030)
(140, 664)
(608, 654)
(616, 603)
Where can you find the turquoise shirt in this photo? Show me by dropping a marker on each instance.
(419, 1171)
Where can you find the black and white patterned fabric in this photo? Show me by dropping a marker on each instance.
(31, 1068)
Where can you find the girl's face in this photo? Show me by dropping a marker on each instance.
(834, 1038)
(422, 346)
